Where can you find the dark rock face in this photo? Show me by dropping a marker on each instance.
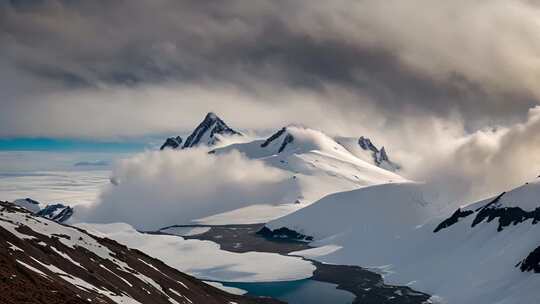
(57, 212)
(212, 125)
(366, 144)
(273, 137)
(283, 233)
(287, 140)
(453, 219)
(43, 269)
(172, 142)
(531, 262)
(493, 202)
(379, 156)
(506, 215)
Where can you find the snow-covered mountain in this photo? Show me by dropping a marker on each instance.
(486, 252)
(209, 132)
(310, 152)
(46, 262)
(316, 163)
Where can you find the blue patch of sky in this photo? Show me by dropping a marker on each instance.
(74, 145)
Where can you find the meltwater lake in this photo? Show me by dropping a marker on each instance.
(298, 292)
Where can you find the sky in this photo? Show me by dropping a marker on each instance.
(449, 88)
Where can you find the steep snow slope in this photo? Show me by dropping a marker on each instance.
(473, 257)
(318, 166)
(42, 261)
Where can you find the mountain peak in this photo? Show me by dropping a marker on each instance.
(209, 131)
(211, 116)
(299, 137)
(380, 157)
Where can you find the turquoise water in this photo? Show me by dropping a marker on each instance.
(298, 292)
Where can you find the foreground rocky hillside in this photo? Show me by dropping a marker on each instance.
(42, 261)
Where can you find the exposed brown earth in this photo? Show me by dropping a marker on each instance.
(57, 271)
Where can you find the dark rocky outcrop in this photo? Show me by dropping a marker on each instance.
(507, 216)
(366, 144)
(531, 262)
(493, 210)
(453, 219)
(493, 202)
(380, 157)
(273, 137)
(283, 233)
(172, 143)
(286, 140)
(56, 212)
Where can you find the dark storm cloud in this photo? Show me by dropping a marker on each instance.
(296, 44)
(449, 87)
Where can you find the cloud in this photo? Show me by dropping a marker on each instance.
(476, 58)
(485, 162)
(446, 87)
(163, 188)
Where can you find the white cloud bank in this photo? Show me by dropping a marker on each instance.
(163, 188)
(468, 167)
(174, 187)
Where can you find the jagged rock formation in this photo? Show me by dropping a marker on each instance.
(172, 143)
(42, 261)
(506, 215)
(531, 262)
(56, 212)
(208, 132)
(453, 219)
(287, 139)
(283, 233)
(380, 157)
